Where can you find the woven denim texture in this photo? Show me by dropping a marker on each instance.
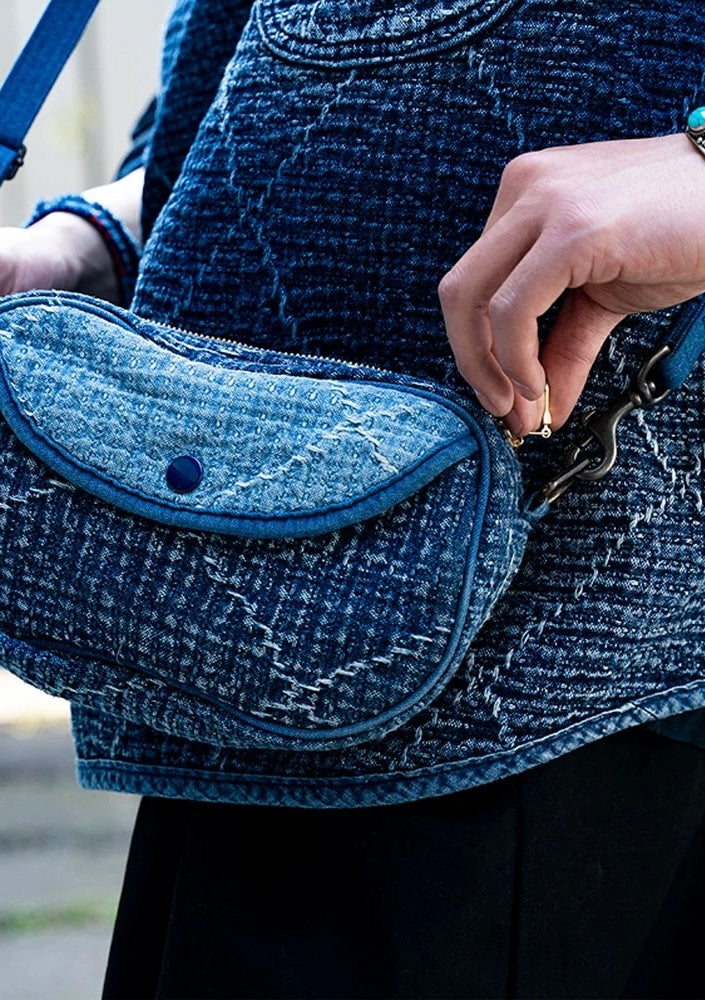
(315, 211)
(275, 643)
(282, 454)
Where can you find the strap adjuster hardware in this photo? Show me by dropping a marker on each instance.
(16, 163)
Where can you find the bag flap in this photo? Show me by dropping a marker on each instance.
(209, 444)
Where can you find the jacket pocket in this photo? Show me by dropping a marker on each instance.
(347, 33)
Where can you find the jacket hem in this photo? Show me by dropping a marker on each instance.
(354, 791)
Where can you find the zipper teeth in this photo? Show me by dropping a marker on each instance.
(222, 341)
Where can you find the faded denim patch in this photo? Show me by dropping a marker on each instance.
(283, 454)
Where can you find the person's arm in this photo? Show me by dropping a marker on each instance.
(63, 250)
(616, 225)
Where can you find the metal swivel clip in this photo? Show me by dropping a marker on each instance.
(601, 431)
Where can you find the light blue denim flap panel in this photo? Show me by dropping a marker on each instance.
(329, 480)
(284, 456)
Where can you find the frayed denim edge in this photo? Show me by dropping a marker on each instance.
(382, 789)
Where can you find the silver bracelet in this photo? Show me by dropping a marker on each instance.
(695, 129)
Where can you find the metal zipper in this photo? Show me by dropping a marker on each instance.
(264, 350)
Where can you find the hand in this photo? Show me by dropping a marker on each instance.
(617, 225)
(60, 251)
(64, 251)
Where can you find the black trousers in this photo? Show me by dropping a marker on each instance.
(584, 877)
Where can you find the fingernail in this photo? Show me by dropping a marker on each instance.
(487, 404)
(512, 422)
(527, 391)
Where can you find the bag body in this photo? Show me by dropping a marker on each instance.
(313, 583)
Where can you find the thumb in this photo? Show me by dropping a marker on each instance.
(569, 352)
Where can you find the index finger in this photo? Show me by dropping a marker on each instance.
(466, 293)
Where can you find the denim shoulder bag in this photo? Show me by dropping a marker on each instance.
(367, 521)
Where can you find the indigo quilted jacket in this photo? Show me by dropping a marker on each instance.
(313, 170)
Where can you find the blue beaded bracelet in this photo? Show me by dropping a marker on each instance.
(695, 129)
(121, 245)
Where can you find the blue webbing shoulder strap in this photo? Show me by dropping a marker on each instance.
(34, 74)
(687, 342)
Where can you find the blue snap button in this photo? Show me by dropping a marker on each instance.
(184, 474)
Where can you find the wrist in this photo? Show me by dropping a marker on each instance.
(101, 254)
(80, 261)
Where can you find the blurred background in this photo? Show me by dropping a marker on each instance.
(82, 133)
(62, 849)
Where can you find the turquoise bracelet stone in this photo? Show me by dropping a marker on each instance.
(695, 129)
(696, 121)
